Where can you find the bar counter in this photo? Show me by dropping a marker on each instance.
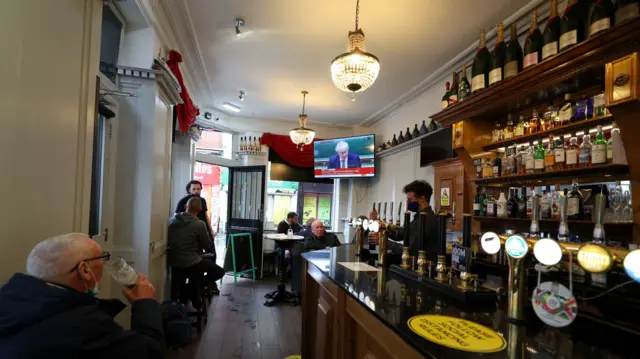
(351, 314)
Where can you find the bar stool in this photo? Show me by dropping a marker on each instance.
(186, 283)
(231, 239)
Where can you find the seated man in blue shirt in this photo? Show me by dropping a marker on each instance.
(319, 238)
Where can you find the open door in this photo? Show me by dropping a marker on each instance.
(246, 215)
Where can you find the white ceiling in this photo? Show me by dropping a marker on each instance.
(287, 47)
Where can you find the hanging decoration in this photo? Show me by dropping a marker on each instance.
(289, 151)
(302, 135)
(356, 70)
(187, 111)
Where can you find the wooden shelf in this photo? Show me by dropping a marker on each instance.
(590, 54)
(489, 219)
(572, 127)
(593, 172)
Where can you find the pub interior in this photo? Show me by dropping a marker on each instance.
(435, 194)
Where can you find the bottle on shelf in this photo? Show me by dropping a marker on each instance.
(512, 162)
(602, 14)
(522, 203)
(550, 155)
(533, 43)
(243, 143)
(497, 58)
(626, 10)
(512, 204)
(534, 123)
(501, 206)
(401, 138)
(250, 145)
(599, 150)
(464, 88)
(258, 144)
(506, 165)
(394, 141)
(549, 117)
(445, 98)
(478, 163)
(512, 55)
(483, 202)
(545, 206)
(584, 108)
(610, 149)
(415, 133)
(584, 156)
(521, 161)
(551, 33)
(407, 135)
(480, 68)
(453, 93)
(599, 107)
(530, 202)
(491, 206)
(497, 132)
(572, 153)
(618, 154)
(529, 160)
(497, 166)
(567, 112)
(559, 153)
(519, 131)
(487, 171)
(508, 129)
(539, 157)
(575, 203)
(555, 204)
(476, 203)
(571, 26)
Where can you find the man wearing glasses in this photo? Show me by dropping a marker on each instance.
(52, 311)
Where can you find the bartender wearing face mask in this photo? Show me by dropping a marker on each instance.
(418, 197)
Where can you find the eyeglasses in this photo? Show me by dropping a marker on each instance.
(104, 257)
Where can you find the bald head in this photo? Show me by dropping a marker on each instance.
(317, 228)
(52, 259)
(194, 206)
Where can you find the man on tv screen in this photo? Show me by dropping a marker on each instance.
(344, 159)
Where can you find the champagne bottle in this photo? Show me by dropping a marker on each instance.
(513, 55)
(497, 58)
(445, 98)
(626, 9)
(464, 88)
(551, 33)
(453, 94)
(480, 68)
(250, 145)
(408, 136)
(601, 16)
(533, 43)
(571, 27)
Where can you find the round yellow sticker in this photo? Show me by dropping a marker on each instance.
(457, 333)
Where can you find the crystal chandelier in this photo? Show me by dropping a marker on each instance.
(355, 70)
(302, 135)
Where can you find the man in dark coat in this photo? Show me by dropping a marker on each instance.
(290, 223)
(52, 311)
(319, 238)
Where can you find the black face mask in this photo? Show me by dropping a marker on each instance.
(413, 206)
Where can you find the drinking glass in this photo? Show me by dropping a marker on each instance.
(121, 271)
(616, 201)
(628, 212)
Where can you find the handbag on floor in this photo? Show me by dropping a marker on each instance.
(177, 325)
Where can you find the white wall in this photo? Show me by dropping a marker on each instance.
(183, 160)
(50, 54)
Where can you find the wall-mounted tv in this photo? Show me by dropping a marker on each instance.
(344, 157)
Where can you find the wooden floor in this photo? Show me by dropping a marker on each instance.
(241, 327)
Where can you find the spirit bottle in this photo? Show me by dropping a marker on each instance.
(508, 129)
(539, 157)
(572, 152)
(445, 98)
(512, 162)
(575, 203)
(599, 105)
(534, 123)
(559, 152)
(610, 150)
(530, 203)
(584, 108)
(497, 132)
(599, 150)
(506, 165)
(549, 118)
(567, 111)
(497, 166)
(483, 202)
(491, 206)
(555, 200)
(512, 204)
(529, 160)
(501, 206)
(476, 203)
(584, 157)
(550, 156)
(522, 203)
(519, 131)
(464, 88)
(453, 93)
(520, 161)
(545, 206)
(487, 171)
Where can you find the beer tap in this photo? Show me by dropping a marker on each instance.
(563, 229)
(407, 229)
(599, 208)
(466, 277)
(384, 213)
(534, 229)
(379, 207)
(390, 214)
(441, 267)
(374, 214)
(399, 213)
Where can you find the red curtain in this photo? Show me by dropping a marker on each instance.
(286, 149)
(187, 111)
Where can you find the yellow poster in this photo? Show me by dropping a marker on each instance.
(456, 333)
(310, 207)
(444, 197)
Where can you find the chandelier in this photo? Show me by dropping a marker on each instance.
(355, 70)
(302, 135)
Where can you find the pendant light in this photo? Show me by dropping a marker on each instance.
(302, 135)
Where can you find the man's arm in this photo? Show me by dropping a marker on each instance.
(181, 205)
(203, 237)
(282, 227)
(312, 243)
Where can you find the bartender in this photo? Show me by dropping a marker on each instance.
(418, 197)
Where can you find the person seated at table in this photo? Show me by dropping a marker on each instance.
(52, 311)
(188, 238)
(290, 223)
(306, 229)
(319, 238)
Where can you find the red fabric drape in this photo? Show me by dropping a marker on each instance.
(286, 149)
(187, 111)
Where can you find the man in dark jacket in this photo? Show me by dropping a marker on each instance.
(194, 189)
(53, 313)
(319, 238)
(290, 223)
(188, 240)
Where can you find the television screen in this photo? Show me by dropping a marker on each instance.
(344, 157)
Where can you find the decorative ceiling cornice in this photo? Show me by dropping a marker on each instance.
(521, 17)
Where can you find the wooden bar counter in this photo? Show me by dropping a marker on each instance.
(365, 314)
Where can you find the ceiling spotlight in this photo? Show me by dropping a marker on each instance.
(239, 23)
(231, 107)
(241, 97)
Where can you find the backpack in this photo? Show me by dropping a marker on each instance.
(177, 325)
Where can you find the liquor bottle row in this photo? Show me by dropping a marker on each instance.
(409, 135)
(578, 22)
(553, 117)
(558, 154)
(250, 144)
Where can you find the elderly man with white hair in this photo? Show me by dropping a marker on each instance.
(343, 158)
(52, 311)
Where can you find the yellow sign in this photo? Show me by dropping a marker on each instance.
(444, 197)
(594, 258)
(456, 333)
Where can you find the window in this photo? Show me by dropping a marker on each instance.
(111, 36)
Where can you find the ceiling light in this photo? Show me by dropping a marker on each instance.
(241, 97)
(231, 107)
(239, 23)
(302, 135)
(355, 70)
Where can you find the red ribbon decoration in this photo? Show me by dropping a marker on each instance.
(187, 111)
(288, 151)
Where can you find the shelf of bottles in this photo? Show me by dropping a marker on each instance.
(250, 146)
(580, 39)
